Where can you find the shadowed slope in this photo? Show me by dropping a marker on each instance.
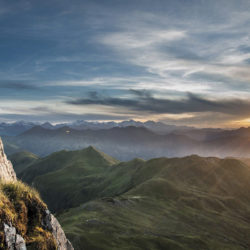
(22, 160)
(70, 176)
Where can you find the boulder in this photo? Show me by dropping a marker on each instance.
(13, 240)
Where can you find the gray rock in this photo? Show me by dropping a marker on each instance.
(52, 224)
(13, 240)
(20, 243)
(7, 172)
(10, 236)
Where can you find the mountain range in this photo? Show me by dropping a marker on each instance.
(191, 202)
(17, 128)
(126, 143)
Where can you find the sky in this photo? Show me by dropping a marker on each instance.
(183, 62)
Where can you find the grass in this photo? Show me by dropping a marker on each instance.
(70, 176)
(145, 222)
(178, 203)
(181, 203)
(22, 160)
(22, 207)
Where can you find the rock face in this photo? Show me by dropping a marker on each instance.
(52, 224)
(13, 240)
(7, 172)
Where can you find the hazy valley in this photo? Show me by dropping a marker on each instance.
(125, 142)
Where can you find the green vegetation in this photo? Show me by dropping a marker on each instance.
(22, 160)
(70, 176)
(187, 203)
(178, 203)
(22, 207)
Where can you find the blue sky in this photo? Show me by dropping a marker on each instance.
(180, 62)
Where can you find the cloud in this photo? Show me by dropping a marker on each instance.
(159, 49)
(144, 101)
(16, 85)
(141, 39)
(216, 45)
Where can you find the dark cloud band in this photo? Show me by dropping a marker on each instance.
(144, 101)
(16, 85)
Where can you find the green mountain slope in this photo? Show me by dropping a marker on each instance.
(70, 176)
(185, 203)
(22, 160)
(165, 203)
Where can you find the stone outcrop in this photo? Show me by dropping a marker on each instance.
(52, 224)
(7, 172)
(13, 240)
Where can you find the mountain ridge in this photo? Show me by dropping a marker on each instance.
(16, 128)
(190, 202)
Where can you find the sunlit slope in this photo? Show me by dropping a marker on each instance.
(186, 203)
(164, 203)
(22, 208)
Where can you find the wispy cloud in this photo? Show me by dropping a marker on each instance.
(160, 49)
(141, 39)
(145, 101)
(208, 48)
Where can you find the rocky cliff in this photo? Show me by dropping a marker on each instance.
(25, 221)
(7, 172)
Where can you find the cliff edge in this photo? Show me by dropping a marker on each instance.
(7, 172)
(25, 221)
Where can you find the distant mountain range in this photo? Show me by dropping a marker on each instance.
(13, 129)
(122, 143)
(165, 203)
(128, 142)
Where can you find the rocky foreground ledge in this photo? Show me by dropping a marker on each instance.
(15, 225)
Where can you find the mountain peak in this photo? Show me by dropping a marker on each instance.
(47, 125)
(91, 148)
(92, 151)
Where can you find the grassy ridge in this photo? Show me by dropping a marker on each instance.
(165, 203)
(187, 203)
(70, 176)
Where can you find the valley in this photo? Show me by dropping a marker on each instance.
(128, 142)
